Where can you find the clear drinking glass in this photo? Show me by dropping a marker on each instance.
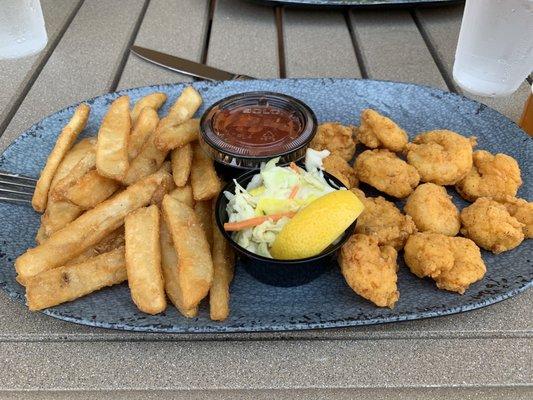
(22, 30)
(495, 49)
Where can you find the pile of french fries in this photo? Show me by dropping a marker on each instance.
(114, 209)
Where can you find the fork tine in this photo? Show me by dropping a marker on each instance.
(9, 191)
(10, 183)
(14, 176)
(16, 188)
(15, 196)
(15, 200)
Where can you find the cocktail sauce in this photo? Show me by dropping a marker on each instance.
(247, 129)
(262, 128)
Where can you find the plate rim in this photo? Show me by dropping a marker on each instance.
(283, 327)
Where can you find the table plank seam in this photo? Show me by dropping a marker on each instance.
(147, 337)
(355, 44)
(208, 26)
(35, 74)
(131, 41)
(282, 65)
(452, 87)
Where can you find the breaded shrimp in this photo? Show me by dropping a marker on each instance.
(432, 210)
(386, 172)
(370, 270)
(376, 130)
(522, 211)
(340, 169)
(383, 220)
(453, 262)
(491, 175)
(442, 157)
(336, 138)
(489, 224)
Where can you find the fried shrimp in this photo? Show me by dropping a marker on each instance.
(453, 262)
(336, 138)
(442, 157)
(522, 210)
(493, 176)
(489, 224)
(370, 270)
(432, 210)
(384, 221)
(376, 130)
(385, 171)
(340, 169)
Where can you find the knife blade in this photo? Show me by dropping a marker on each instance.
(184, 66)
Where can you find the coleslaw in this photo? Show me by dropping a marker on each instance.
(258, 212)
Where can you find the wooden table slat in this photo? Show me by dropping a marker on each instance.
(417, 393)
(244, 39)
(172, 27)
(318, 43)
(16, 74)
(83, 64)
(393, 49)
(264, 364)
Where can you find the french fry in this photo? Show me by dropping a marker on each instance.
(183, 194)
(60, 213)
(169, 266)
(150, 157)
(73, 157)
(169, 137)
(91, 189)
(163, 190)
(181, 111)
(181, 160)
(64, 142)
(203, 210)
(204, 180)
(147, 162)
(113, 135)
(83, 166)
(223, 270)
(111, 242)
(153, 101)
(90, 227)
(185, 106)
(143, 127)
(143, 260)
(195, 266)
(70, 282)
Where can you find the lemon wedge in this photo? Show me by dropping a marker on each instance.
(257, 191)
(267, 206)
(316, 226)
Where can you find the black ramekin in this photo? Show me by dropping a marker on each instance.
(240, 159)
(273, 272)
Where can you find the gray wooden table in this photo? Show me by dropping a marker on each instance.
(481, 354)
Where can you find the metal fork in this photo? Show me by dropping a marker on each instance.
(16, 188)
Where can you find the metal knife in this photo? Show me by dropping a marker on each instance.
(184, 66)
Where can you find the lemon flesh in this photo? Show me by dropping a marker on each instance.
(317, 226)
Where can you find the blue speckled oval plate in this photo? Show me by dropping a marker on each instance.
(328, 301)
